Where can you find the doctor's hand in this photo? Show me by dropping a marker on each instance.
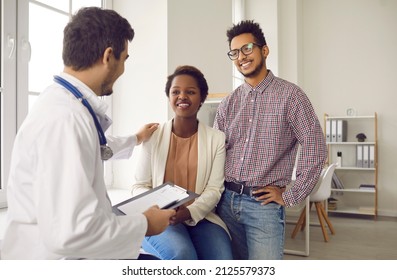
(145, 132)
(157, 220)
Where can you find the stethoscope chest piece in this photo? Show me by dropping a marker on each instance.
(106, 152)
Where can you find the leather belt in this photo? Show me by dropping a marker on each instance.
(241, 188)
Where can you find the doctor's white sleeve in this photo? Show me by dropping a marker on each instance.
(122, 147)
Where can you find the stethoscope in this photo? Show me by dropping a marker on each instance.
(106, 151)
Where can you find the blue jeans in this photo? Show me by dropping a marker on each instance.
(257, 230)
(204, 241)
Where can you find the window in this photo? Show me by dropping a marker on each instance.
(238, 15)
(32, 54)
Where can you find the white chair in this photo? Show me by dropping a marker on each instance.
(320, 193)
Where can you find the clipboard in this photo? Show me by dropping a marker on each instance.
(166, 196)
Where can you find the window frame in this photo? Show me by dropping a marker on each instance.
(8, 95)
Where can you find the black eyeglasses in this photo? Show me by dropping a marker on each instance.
(246, 50)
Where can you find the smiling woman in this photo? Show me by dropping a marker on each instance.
(192, 155)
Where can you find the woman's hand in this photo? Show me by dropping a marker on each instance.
(182, 214)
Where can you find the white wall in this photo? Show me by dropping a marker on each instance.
(138, 94)
(265, 12)
(290, 40)
(197, 36)
(348, 60)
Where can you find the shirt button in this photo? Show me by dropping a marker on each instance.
(246, 140)
(250, 120)
(252, 100)
(242, 159)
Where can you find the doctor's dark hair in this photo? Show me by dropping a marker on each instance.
(88, 34)
(246, 26)
(194, 73)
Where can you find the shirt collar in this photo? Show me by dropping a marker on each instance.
(98, 105)
(260, 88)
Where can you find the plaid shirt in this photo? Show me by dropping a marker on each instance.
(264, 127)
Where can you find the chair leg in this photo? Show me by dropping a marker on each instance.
(303, 225)
(304, 220)
(331, 228)
(299, 223)
(319, 214)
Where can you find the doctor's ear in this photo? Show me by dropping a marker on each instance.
(106, 54)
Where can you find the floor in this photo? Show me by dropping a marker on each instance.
(356, 238)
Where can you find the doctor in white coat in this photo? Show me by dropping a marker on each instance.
(58, 204)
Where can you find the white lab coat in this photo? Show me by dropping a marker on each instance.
(58, 204)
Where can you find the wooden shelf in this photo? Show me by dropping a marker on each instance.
(216, 95)
(355, 168)
(354, 190)
(351, 143)
(350, 117)
(213, 101)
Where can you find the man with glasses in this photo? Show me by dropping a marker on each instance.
(265, 120)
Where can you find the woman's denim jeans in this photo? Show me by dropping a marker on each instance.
(257, 230)
(204, 241)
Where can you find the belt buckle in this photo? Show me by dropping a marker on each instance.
(241, 189)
